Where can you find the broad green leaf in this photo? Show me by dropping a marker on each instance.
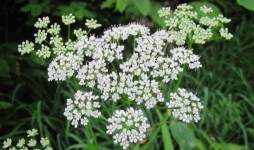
(79, 14)
(144, 6)
(248, 4)
(88, 13)
(155, 16)
(183, 135)
(36, 10)
(107, 4)
(121, 5)
(5, 105)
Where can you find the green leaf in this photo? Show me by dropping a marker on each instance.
(121, 5)
(5, 105)
(144, 6)
(248, 4)
(107, 4)
(183, 135)
(167, 141)
(79, 14)
(230, 146)
(36, 10)
(155, 16)
(88, 13)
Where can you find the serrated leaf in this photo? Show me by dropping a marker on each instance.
(36, 10)
(183, 135)
(5, 105)
(107, 4)
(121, 5)
(144, 6)
(248, 4)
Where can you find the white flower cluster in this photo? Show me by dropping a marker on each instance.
(25, 47)
(186, 106)
(30, 143)
(83, 106)
(92, 24)
(137, 78)
(42, 22)
(128, 126)
(67, 20)
(184, 24)
(49, 40)
(64, 66)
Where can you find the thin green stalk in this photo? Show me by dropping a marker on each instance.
(69, 30)
(164, 119)
(92, 134)
(180, 79)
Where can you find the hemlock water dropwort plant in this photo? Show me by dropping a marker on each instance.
(28, 143)
(134, 80)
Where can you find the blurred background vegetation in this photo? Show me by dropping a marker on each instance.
(225, 83)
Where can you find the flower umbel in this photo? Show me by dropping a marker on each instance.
(186, 106)
(128, 126)
(83, 106)
(67, 20)
(92, 24)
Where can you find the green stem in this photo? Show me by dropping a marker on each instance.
(180, 79)
(92, 134)
(164, 119)
(69, 30)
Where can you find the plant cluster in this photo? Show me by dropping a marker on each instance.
(134, 82)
